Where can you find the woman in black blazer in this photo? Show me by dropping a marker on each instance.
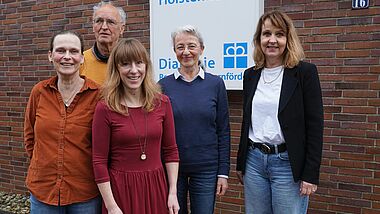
(282, 131)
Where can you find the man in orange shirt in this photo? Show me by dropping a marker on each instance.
(108, 25)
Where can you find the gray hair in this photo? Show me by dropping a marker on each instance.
(122, 13)
(190, 30)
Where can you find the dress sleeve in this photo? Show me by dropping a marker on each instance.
(101, 131)
(223, 130)
(169, 146)
(29, 120)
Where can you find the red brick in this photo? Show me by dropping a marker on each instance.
(360, 94)
(355, 61)
(367, 12)
(374, 102)
(373, 134)
(319, 38)
(370, 181)
(355, 187)
(328, 62)
(375, 69)
(374, 166)
(324, 211)
(372, 210)
(354, 21)
(356, 156)
(329, 14)
(359, 110)
(319, 54)
(357, 141)
(373, 197)
(352, 53)
(345, 209)
(327, 46)
(354, 37)
(345, 193)
(361, 78)
(362, 45)
(362, 126)
(332, 109)
(349, 101)
(322, 6)
(335, 78)
(376, 205)
(347, 163)
(345, 179)
(350, 117)
(354, 202)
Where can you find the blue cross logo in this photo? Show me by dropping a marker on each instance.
(235, 55)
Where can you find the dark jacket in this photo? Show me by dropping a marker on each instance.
(300, 115)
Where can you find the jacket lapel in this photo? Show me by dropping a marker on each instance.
(289, 83)
(254, 77)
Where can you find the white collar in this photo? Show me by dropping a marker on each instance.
(201, 74)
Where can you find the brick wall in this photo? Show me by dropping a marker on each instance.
(344, 43)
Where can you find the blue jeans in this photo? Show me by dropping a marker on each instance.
(269, 187)
(92, 206)
(201, 187)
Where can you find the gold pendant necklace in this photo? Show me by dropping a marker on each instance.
(142, 147)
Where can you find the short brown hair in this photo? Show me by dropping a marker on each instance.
(74, 33)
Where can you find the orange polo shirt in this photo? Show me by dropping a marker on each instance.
(93, 68)
(58, 142)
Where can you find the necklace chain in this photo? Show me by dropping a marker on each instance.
(67, 102)
(269, 82)
(142, 147)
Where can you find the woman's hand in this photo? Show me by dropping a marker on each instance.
(307, 188)
(239, 175)
(109, 200)
(221, 186)
(173, 205)
(115, 210)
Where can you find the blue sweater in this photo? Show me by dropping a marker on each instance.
(201, 118)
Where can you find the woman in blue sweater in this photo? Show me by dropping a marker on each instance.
(200, 107)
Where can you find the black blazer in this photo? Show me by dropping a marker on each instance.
(300, 115)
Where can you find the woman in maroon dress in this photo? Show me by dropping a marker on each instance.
(132, 126)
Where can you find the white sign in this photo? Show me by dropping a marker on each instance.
(227, 27)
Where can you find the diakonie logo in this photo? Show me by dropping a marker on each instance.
(235, 55)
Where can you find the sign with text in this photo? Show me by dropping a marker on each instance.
(227, 27)
(360, 4)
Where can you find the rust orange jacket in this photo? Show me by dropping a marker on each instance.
(58, 143)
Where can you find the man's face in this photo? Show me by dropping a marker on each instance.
(107, 25)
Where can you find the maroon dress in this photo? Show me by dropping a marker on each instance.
(138, 186)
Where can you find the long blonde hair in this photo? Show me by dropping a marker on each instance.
(127, 51)
(293, 52)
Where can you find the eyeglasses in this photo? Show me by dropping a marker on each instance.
(109, 22)
(189, 47)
